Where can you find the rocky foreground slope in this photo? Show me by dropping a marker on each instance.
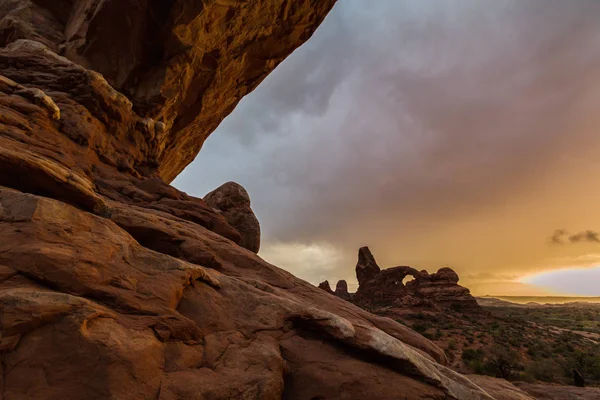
(115, 285)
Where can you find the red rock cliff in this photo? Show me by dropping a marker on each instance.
(114, 284)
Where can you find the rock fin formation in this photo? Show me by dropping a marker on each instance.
(366, 267)
(113, 284)
(387, 288)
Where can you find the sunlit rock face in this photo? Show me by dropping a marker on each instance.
(113, 284)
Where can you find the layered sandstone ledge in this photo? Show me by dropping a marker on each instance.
(113, 284)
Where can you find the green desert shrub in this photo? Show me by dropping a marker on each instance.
(543, 370)
(420, 327)
(469, 355)
(502, 362)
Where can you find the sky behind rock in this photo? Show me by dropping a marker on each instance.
(457, 133)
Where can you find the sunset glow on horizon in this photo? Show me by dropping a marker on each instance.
(579, 281)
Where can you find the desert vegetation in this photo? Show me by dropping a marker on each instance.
(532, 344)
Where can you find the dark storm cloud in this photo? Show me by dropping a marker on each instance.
(400, 118)
(562, 236)
(558, 237)
(585, 236)
(435, 102)
(303, 86)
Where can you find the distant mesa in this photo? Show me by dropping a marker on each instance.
(386, 288)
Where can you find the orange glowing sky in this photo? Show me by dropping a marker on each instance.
(458, 133)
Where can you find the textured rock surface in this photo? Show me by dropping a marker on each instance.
(500, 389)
(557, 392)
(234, 203)
(114, 284)
(88, 306)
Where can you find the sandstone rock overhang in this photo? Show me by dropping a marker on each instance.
(183, 63)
